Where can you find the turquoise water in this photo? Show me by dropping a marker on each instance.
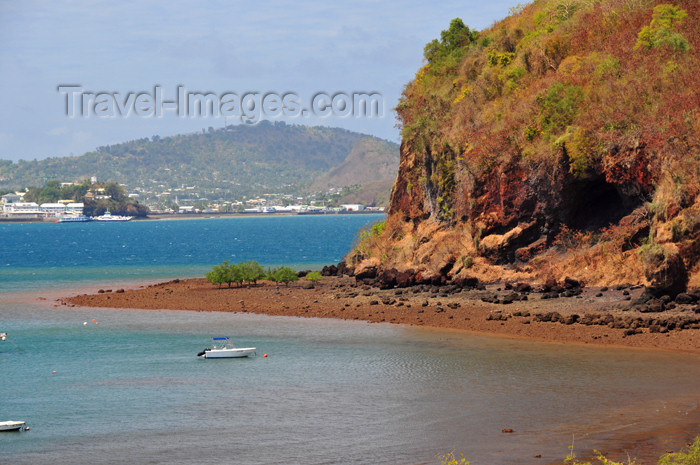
(60, 254)
(128, 387)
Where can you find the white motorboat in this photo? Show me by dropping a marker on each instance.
(12, 425)
(5, 337)
(223, 348)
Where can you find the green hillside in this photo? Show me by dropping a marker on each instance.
(232, 162)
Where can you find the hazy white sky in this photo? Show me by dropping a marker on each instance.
(221, 47)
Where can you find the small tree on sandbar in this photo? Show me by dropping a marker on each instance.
(314, 277)
(220, 274)
(251, 271)
(283, 275)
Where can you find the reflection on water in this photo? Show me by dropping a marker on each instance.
(131, 390)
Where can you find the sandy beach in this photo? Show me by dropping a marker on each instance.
(595, 316)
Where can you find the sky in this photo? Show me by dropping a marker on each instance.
(76, 75)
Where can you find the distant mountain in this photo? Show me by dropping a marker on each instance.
(227, 163)
(369, 160)
(371, 165)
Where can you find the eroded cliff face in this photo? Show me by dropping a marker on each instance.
(570, 169)
(515, 210)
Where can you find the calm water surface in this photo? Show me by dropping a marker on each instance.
(41, 255)
(128, 387)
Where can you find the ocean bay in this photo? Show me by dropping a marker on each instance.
(128, 387)
(47, 254)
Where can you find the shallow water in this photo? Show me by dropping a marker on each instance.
(129, 388)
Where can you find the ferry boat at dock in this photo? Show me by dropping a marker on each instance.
(107, 216)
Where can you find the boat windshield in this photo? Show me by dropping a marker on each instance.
(223, 343)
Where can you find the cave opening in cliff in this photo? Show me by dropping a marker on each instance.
(593, 204)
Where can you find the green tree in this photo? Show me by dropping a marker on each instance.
(314, 277)
(284, 275)
(251, 271)
(453, 39)
(236, 274)
(660, 30)
(80, 190)
(220, 274)
(114, 190)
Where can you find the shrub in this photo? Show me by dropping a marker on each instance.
(467, 261)
(250, 271)
(228, 273)
(224, 273)
(559, 105)
(660, 31)
(283, 275)
(689, 456)
(450, 459)
(378, 228)
(500, 58)
(579, 146)
(218, 274)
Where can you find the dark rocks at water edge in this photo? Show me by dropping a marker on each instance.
(655, 324)
(651, 300)
(392, 278)
(630, 325)
(340, 269)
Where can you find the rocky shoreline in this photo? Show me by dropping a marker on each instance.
(565, 312)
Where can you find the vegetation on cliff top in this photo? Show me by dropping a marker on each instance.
(579, 79)
(566, 114)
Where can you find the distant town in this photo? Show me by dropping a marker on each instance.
(180, 201)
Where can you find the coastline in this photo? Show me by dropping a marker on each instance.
(201, 216)
(432, 307)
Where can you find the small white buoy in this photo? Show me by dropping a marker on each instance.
(84, 323)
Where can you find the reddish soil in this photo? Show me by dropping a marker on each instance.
(341, 297)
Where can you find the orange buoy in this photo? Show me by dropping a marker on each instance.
(265, 356)
(54, 372)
